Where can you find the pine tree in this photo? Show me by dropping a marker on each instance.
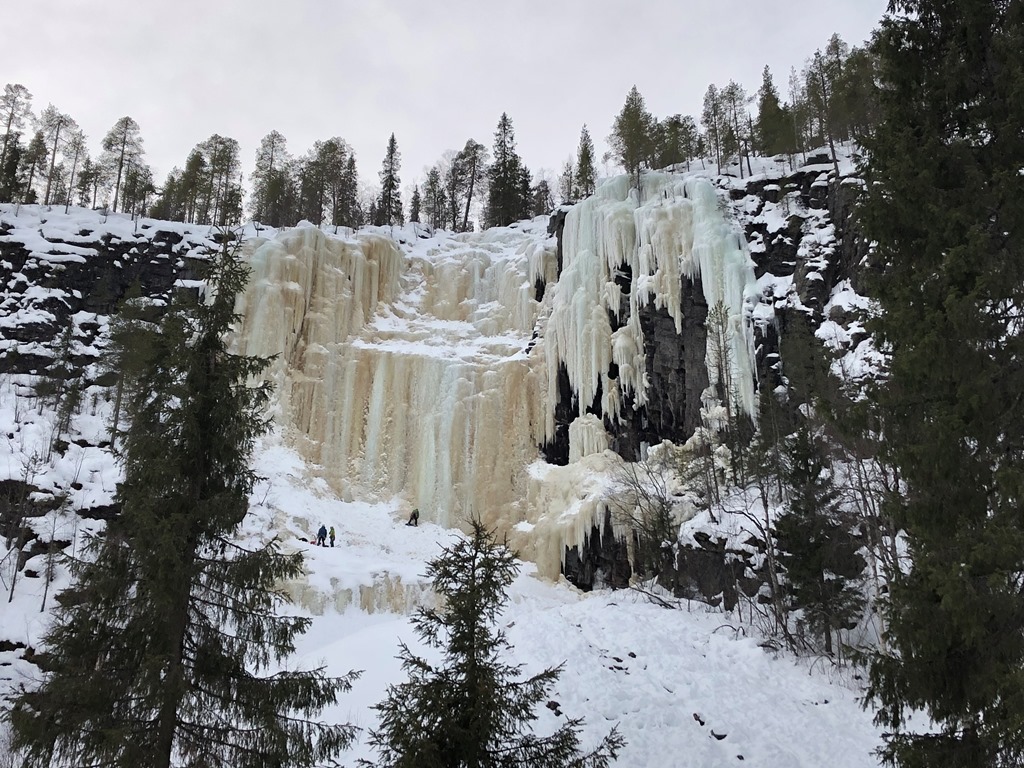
(219, 188)
(55, 126)
(333, 157)
(166, 649)
(77, 150)
(585, 174)
(734, 102)
(389, 203)
(122, 141)
(630, 140)
(472, 709)
(15, 107)
(310, 179)
(271, 182)
(138, 188)
(472, 160)
(819, 78)
(946, 208)
(857, 92)
(455, 185)
(799, 113)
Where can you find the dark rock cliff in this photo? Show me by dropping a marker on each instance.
(802, 230)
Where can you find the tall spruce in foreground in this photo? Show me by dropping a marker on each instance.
(473, 711)
(946, 207)
(166, 648)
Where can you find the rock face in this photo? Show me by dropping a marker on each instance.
(805, 242)
(677, 375)
(603, 562)
(52, 280)
(62, 276)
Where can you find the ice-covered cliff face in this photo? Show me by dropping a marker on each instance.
(428, 369)
(672, 230)
(404, 370)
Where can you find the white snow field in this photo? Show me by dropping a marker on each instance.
(686, 687)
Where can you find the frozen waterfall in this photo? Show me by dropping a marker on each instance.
(426, 370)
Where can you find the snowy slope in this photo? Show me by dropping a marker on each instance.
(686, 686)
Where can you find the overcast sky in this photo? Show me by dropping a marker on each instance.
(434, 73)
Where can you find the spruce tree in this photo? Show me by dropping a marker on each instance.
(508, 200)
(815, 542)
(585, 174)
(434, 198)
(773, 130)
(10, 177)
(33, 160)
(349, 214)
(542, 200)
(415, 203)
(946, 208)
(389, 203)
(167, 647)
(473, 710)
(567, 183)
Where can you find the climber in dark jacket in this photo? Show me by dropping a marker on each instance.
(321, 536)
(414, 518)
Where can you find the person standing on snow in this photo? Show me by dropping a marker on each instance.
(321, 536)
(331, 534)
(414, 518)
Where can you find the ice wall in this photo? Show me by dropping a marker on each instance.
(403, 372)
(672, 229)
(427, 370)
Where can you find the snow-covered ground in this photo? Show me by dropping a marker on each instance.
(686, 686)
